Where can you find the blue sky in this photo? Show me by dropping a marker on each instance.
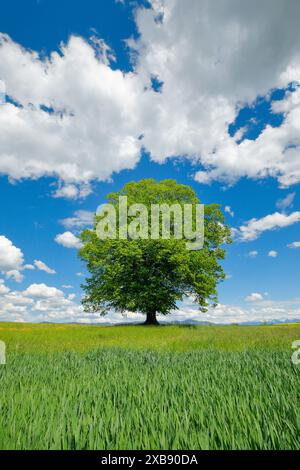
(83, 122)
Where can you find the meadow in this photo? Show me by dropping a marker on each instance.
(135, 387)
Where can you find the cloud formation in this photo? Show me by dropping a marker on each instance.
(213, 57)
(80, 219)
(255, 227)
(68, 240)
(294, 245)
(41, 291)
(40, 303)
(43, 267)
(286, 202)
(73, 116)
(11, 259)
(255, 297)
(229, 211)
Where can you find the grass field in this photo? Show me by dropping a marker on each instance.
(135, 387)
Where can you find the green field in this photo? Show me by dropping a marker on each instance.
(135, 387)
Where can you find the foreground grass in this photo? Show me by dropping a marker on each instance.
(135, 387)
(59, 338)
(118, 399)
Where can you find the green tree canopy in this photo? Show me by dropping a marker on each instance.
(151, 276)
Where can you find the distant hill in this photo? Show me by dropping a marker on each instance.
(187, 323)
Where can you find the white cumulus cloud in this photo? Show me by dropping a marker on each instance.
(255, 297)
(3, 288)
(80, 219)
(43, 291)
(68, 240)
(76, 112)
(30, 267)
(229, 211)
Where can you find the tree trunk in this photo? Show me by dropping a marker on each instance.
(151, 319)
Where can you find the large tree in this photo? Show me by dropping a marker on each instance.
(151, 276)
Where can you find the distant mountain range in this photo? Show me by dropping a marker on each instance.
(191, 323)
